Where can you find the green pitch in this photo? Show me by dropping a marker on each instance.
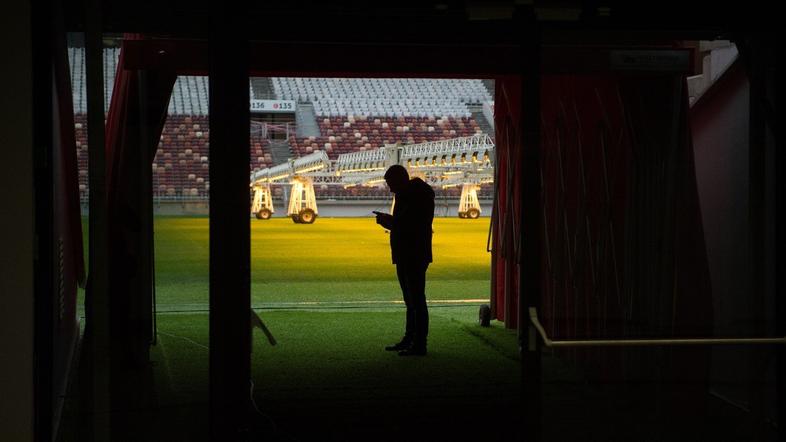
(330, 379)
(334, 260)
(329, 364)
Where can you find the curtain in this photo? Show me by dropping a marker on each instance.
(129, 129)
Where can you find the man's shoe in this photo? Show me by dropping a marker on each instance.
(403, 345)
(413, 351)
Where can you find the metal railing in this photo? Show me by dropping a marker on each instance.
(535, 322)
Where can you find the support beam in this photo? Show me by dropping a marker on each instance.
(97, 341)
(531, 223)
(44, 248)
(763, 296)
(765, 162)
(756, 196)
(230, 251)
(17, 227)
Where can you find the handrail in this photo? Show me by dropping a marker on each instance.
(533, 316)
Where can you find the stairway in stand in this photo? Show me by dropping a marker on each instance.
(262, 88)
(477, 115)
(280, 151)
(306, 121)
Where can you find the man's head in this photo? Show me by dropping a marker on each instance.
(397, 178)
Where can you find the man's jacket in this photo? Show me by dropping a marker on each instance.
(413, 213)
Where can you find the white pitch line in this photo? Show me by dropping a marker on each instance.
(438, 301)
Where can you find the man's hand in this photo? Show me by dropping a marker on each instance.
(384, 219)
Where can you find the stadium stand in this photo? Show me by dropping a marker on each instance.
(344, 134)
(180, 167)
(351, 115)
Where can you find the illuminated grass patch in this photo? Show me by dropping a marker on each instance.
(332, 260)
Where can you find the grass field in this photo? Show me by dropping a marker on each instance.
(329, 294)
(330, 379)
(329, 364)
(334, 260)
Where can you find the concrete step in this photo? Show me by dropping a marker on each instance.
(306, 121)
(489, 83)
(262, 88)
(485, 125)
(280, 151)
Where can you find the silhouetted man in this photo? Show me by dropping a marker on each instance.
(410, 246)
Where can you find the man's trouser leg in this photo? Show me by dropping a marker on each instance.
(412, 278)
(417, 286)
(401, 272)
